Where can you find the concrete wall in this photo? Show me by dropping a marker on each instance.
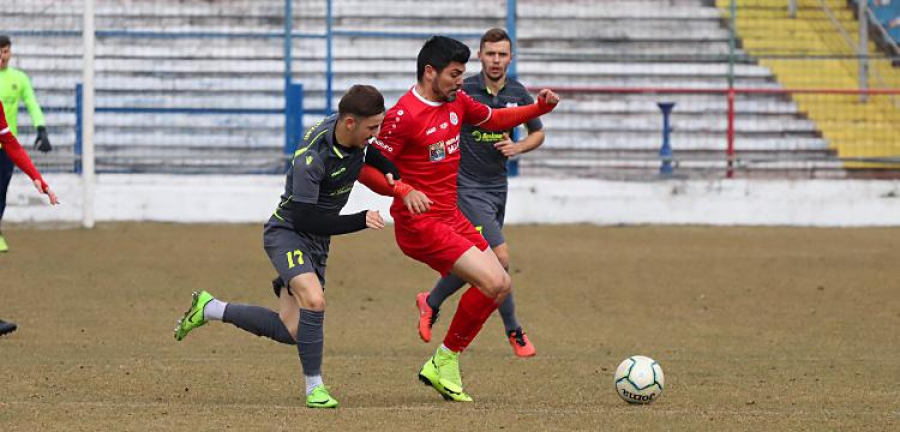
(252, 199)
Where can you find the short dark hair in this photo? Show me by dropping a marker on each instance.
(5, 41)
(494, 35)
(361, 101)
(440, 51)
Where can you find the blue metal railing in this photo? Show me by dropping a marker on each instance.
(294, 109)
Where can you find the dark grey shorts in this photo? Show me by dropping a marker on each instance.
(292, 254)
(486, 210)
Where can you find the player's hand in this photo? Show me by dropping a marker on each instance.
(45, 189)
(549, 97)
(374, 220)
(417, 202)
(42, 142)
(507, 146)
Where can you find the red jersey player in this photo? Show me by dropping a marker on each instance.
(420, 134)
(17, 154)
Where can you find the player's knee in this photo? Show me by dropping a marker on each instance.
(316, 303)
(497, 285)
(507, 284)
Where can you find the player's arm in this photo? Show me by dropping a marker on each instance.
(501, 119)
(42, 141)
(509, 148)
(376, 159)
(309, 219)
(415, 201)
(308, 171)
(389, 144)
(20, 158)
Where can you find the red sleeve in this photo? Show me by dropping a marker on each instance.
(476, 112)
(376, 181)
(507, 118)
(394, 132)
(15, 151)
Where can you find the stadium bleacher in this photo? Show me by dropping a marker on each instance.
(175, 55)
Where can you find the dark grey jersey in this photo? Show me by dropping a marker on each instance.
(481, 165)
(321, 173)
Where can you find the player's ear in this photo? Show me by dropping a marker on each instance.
(430, 73)
(350, 122)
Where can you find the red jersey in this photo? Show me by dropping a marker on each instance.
(421, 137)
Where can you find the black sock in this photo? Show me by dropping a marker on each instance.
(259, 321)
(311, 341)
(444, 288)
(508, 313)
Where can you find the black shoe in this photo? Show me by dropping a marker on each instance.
(7, 327)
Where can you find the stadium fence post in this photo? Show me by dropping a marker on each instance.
(863, 15)
(87, 116)
(329, 58)
(293, 120)
(730, 151)
(79, 109)
(665, 151)
(512, 165)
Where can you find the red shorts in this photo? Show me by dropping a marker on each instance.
(436, 239)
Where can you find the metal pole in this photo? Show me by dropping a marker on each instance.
(87, 131)
(288, 43)
(329, 76)
(79, 126)
(512, 165)
(288, 73)
(730, 150)
(512, 71)
(665, 151)
(732, 43)
(863, 14)
(792, 8)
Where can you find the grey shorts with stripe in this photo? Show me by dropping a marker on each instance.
(293, 254)
(486, 209)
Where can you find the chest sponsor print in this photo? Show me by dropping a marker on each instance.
(436, 152)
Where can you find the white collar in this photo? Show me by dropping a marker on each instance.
(425, 101)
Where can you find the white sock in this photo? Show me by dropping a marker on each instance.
(214, 310)
(313, 381)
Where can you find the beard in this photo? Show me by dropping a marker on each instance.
(436, 89)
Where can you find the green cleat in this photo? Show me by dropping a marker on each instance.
(193, 317)
(3, 246)
(320, 398)
(441, 372)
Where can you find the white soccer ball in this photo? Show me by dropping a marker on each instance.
(639, 380)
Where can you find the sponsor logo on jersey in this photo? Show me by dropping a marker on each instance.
(436, 152)
(487, 136)
(453, 144)
(381, 144)
(342, 190)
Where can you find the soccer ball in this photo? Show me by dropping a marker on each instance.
(639, 380)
